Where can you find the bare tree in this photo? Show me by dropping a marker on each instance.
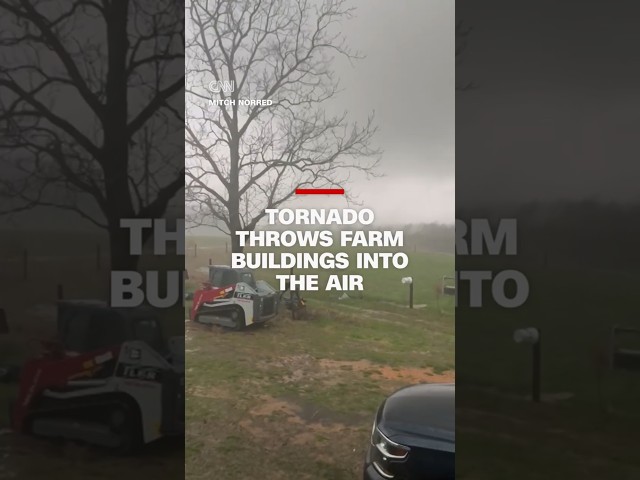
(244, 157)
(90, 90)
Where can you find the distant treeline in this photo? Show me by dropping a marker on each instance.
(431, 237)
(586, 233)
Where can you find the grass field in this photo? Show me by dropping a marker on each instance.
(298, 396)
(588, 423)
(295, 399)
(381, 285)
(70, 259)
(499, 437)
(575, 311)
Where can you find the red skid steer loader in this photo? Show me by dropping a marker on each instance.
(233, 298)
(111, 379)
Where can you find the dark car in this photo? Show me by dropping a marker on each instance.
(413, 436)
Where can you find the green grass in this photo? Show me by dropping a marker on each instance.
(501, 434)
(380, 285)
(575, 312)
(504, 438)
(296, 398)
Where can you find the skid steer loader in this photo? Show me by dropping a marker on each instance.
(111, 379)
(233, 298)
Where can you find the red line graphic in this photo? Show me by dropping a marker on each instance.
(319, 191)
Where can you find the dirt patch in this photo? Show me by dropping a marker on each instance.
(298, 368)
(385, 372)
(210, 392)
(301, 368)
(269, 406)
(356, 365)
(299, 424)
(316, 431)
(416, 375)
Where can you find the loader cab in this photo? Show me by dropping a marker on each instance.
(224, 276)
(84, 326)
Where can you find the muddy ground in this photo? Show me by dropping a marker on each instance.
(296, 398)
(25, 458)
(292, 400)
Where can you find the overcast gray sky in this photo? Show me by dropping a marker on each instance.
(554, 115)
(407, 77)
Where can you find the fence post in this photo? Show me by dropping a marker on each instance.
(4, 326)
(411, 295)
(536, 370)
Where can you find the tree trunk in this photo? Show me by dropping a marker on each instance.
(235, 223)
(235, 243)
(115, 150)
(121, 258)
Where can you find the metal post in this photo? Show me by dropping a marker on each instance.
(181, 288)
(4, 326)
(536, 369)
(411, 295)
